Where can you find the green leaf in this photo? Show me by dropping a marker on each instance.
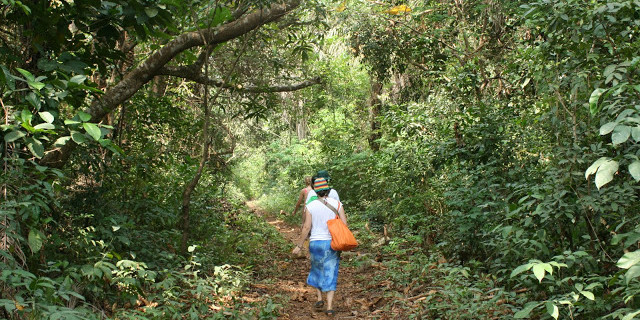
(632, 273)
(44, 126)
(526, 311)
(92, 130)
(634, 169)
(26, 116)
(630, 316)
(13, 136)
(35, 240)
(620, 134)
(608, 127)
(151, 12)
(629, 259)
(539, 271)
(71, 122)
(46, 116)
(36, 84)
(521, 269)
(78, 137)
(594, 167)
(84, 117)
(635, 134)
(78, 79)
(593, 100)
(61, 141)
(588, 295)
(36, 148)
(605, 173)
(8, 78)
(33, 100)
(26, 74)
(552, 309)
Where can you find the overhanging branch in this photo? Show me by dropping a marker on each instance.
(192, 73)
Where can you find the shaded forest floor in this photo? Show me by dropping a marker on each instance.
(362, 291)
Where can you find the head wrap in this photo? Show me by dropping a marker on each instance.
(320, 184)
(323, 174)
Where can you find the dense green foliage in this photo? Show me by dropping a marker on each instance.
(495, 142)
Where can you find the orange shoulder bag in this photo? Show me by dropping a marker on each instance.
(341, 237)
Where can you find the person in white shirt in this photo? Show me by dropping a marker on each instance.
(311, 195)
(325, 261)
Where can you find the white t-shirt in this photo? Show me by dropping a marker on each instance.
(333, 194)
(320, 214)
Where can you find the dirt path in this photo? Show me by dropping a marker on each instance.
(355, 298)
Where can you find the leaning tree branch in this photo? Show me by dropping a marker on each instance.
(143, 73)
(192, 72)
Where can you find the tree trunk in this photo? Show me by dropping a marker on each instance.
(185, 219)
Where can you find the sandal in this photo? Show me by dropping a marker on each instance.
(319, 305)
(330, 313)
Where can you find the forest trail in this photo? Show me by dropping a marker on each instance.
(357, 296)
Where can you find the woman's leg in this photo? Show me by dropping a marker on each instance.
(330, 300)
(319, 294)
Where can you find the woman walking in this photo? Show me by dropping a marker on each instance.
(323, 275)
(303, 196)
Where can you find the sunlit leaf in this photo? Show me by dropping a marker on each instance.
(594, 167)
(539, 271)
(628, 260)
(46, 116)
(594, 98)
(632, 273)
(605, 173)
(607, 127)
(92, 130)
(620, 134)
(634, 170)
(552, 309)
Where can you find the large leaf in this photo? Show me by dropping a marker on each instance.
(594, 167)
(620, 134)
(84, 116)
(13, 136)
(634, 169)
(608, 127)
(629, 260)
(632, 273)
(552, 309)
(605, 173)
(36, 148)
(46, 116)
(630, 316)
(92, 130)
(44, 126)
(593, 100)
(61, 141)
(526, 311)
(539, 270)
(35, 240)
(635, 134)
(521, 269)
(78, 137)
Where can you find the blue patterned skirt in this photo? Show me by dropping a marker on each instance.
(324, 266)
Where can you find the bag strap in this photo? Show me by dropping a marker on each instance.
(329, 206)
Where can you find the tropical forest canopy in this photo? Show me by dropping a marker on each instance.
(486, 152)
